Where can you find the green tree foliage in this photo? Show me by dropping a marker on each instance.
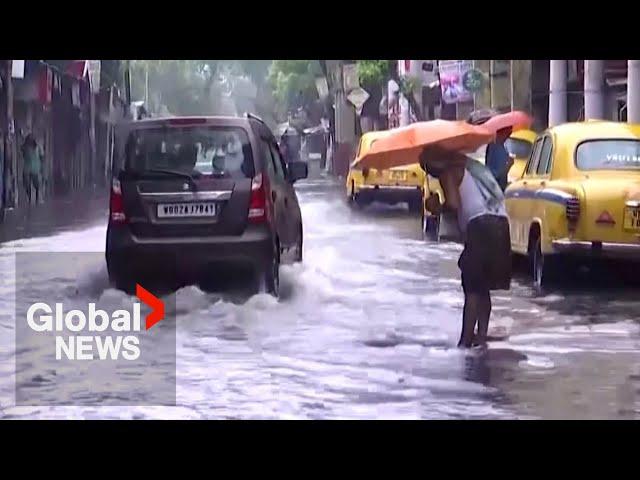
(293, 83)
(374, 73)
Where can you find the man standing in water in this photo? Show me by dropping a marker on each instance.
(473, 194)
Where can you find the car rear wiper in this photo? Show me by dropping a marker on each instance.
(175, 173)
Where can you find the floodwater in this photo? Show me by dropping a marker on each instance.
(366, 329)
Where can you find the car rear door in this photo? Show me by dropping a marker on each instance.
(293, 217)
(168, 192)
(277, 193)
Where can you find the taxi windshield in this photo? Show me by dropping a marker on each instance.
(608, 155)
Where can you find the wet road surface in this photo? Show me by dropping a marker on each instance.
(366, 328)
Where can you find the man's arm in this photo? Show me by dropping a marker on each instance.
(450, 181)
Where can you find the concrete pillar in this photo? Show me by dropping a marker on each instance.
(501, 84)
(557, 92)
(633, 91)
(593, 89)
(521, 85)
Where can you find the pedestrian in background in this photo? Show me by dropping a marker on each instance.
(497, 157)
(32, 157)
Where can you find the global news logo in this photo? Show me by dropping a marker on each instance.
(96, 334)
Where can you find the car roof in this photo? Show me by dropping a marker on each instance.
(528, 135)
(593, 129)
(177, 121)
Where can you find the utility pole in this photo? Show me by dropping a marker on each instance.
(593, 94)
(10, 151)
(127, 86)
(557, 92)
(146, 87)
(633, 91)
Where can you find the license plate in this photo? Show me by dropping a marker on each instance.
(182, 210)
(401, 176)
(632, 218)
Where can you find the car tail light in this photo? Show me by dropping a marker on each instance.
(116, 205)
(572, 210)
(258, 200)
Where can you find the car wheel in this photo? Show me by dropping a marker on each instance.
(123, 283)
(415, 206)
(431, 227)
(270, 276)
(545, 267)
(352, 197)
(298, 254)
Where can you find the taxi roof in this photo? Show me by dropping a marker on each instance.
(528, 135)
(579, 131)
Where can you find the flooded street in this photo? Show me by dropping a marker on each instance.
(366, 329)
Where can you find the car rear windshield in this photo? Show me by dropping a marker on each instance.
(518, 147)
(608, 155)
(219, 151)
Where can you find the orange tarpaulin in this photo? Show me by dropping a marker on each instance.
(403, 145)
(515, 120)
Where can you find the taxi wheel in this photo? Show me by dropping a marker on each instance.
(431, 227)
(352, 194)
(415, 206)
(545, 267)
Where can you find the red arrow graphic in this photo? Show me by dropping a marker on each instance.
(157, 306)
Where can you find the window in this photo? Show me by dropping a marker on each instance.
(265, 150)
(518, 147)
(608, 155)
(535, 155)
(545, 156)
(223, 152)
(279, 165)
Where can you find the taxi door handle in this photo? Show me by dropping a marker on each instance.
(524, 183)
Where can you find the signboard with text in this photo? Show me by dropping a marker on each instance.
(452, 75)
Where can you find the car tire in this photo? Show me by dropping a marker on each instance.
(544, 267)
(298, 252)
(124, 283)
(352, 196)
(415, 205)
(269, 278)
(431, 227)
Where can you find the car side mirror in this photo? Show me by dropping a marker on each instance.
(297, 171)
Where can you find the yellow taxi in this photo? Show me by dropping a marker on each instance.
(579, 197)
(395, 185)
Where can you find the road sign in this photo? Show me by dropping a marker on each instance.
(358, 96)
(473, 80)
